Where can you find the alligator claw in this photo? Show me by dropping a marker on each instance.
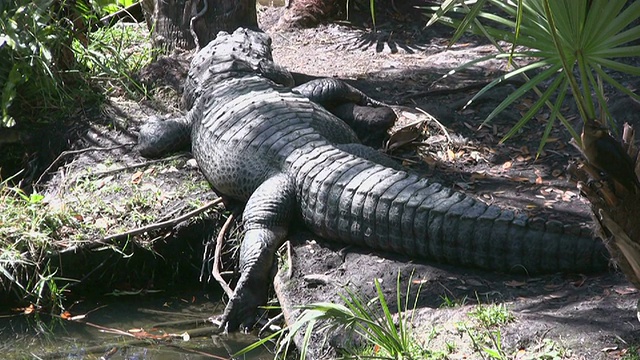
(242, 309)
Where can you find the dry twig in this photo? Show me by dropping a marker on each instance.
(150, 227)
(75, 152)
(216, 256)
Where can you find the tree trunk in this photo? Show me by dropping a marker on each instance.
(174, 23)
(309, 13)
(615, 211)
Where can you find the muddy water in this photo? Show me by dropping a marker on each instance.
(97, 335)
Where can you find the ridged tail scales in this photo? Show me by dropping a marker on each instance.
(349, 199)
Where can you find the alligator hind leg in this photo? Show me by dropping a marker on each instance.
(266, 222)
(369, 123)
(369, 118)
(333, 92)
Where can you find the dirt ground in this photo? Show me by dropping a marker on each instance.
(576, 315)
(586, 316)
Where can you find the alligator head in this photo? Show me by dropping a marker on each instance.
(228, 55)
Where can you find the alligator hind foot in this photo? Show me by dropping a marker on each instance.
(333, 92)
(369, 123)
(241, 310)
(266, 221)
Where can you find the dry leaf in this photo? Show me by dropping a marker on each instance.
(102, 182)
(515, 283)
(474, 282)
(609, 348)
(522, 179)
(552, 287)
(507, 165)
(402, 137)
(463, 185)
(478, 176)
(568, 196)
(451, 155)
(101, 223)
(136, 177)
(556, 173)
(192, 163)
(539, 180)
(627, 290)
(542, 116)
(65, 315)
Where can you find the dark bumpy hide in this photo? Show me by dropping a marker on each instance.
(287, 157)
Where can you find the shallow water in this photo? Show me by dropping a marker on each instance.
(22, 337)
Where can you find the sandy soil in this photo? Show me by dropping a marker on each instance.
(586, 316)
(565, 315)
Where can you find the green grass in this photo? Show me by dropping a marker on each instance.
(631, 353)
(34, 229)
(384, 335)
(448, 302)
(29, 230)
(113, 55)
(485, 332)
(492, 315)
(49, 71)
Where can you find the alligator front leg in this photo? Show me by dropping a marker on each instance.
(266, 221)
(369, 118)
(159, 136)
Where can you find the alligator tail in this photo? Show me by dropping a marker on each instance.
(352, 200)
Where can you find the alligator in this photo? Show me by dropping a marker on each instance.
(277, 150)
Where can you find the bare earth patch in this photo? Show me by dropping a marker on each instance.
(574, 316)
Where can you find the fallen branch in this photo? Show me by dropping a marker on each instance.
(442, 127)
(135, 166)
(164, 224)
(141, 230)
(75, 152)
(178, 323)
(216, 256)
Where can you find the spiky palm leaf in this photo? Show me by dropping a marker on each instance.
(574, 44)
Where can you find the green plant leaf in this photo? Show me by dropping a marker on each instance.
(467, 21)
(539, 104)
(535, 81)
(554, 115)
(504, 77)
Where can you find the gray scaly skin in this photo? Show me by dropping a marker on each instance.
(288, 158)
